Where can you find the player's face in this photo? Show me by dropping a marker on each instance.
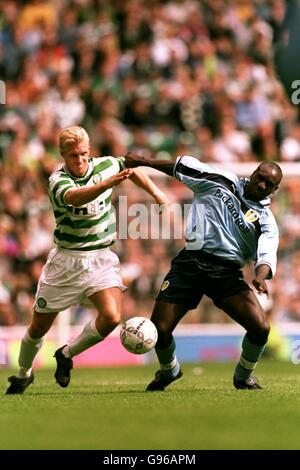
(263, 182)
(76, 159)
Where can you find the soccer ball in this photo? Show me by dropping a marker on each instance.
(138, 335)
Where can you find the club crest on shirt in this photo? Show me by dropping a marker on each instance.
(251, 215)
(165, 285)
(97, 178)
(42, 303)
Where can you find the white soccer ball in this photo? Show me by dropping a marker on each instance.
(138, 335)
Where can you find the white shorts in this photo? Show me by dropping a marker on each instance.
(71, 277)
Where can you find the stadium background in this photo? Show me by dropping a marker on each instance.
(176, 77)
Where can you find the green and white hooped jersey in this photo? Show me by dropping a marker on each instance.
(93, 225)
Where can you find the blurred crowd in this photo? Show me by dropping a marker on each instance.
(175, 77)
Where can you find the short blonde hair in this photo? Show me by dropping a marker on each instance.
(72, 136)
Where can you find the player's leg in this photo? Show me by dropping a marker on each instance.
(245, 309)
(181, 290)
(165, 316)
(108, 305)
(100, 286)
(30, 345)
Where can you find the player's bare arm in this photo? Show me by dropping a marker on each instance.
(78, 197)
(133, 160)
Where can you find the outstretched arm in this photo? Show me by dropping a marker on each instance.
(133, 160)
(144, 182)
(79, 196)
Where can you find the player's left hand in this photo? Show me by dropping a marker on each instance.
(261, 286)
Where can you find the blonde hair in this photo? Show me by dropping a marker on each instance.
(72, 136)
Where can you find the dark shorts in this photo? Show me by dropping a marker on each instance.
(195, 273)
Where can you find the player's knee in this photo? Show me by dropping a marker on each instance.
(265, 330)
(163, 327)
(111, 318)
(259, 334)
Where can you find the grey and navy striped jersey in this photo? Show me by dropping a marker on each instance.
(92, 225)
(222, 221)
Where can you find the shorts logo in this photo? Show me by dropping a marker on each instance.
(42, 302)
(251, 215)
(97, 178)
(165, 285)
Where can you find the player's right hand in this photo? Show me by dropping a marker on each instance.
(119, 177)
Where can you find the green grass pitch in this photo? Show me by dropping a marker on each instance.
(108, 409)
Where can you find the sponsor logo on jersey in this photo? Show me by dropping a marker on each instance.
(229, 203)
(251, 215)
(97, 178)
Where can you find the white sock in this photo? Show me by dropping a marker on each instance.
(24, 373)
(87, 338)
(168, 361)
(28, 350)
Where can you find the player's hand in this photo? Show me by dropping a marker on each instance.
(132, 160)
(119, 177)
(261, 286)
(161, 199)
(162, 202)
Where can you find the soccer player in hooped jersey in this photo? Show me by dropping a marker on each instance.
(81, 269)
(229, 223)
